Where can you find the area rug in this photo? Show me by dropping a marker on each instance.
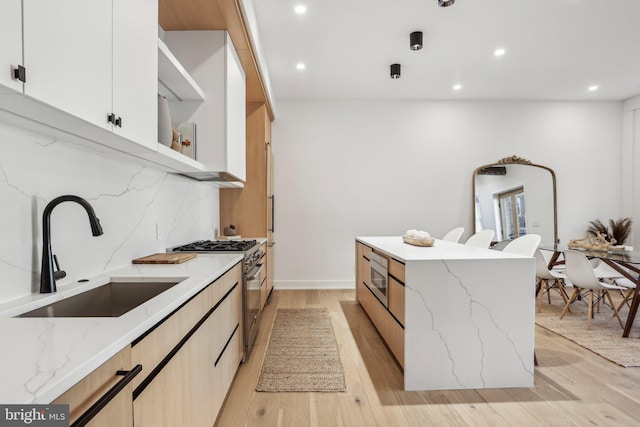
(604, 337)
(302, 354)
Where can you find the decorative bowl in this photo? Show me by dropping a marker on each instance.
(427, 241)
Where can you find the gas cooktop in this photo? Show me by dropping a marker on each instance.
(216, 246)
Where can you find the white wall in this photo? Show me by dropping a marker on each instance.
(345, 168)
(631, 174)
(129, 200)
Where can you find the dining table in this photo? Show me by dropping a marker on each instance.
(627, 263)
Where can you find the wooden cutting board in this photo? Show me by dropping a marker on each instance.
(172, 258)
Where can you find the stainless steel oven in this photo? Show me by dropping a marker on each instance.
(379, 270)
(252, 313)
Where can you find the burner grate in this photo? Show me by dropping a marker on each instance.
(217, 246)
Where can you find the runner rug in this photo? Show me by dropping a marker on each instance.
(302, 354)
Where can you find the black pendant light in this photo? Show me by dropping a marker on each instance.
(415, 40)
(395, 71)
(445, 3)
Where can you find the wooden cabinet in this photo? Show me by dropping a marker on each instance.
(251, 209)
(388, 321)
(264, 290)
(92, 389)
(396, 299)
(396, 269)
(96, 61)
(211, 59)
(269, 257)
(395, 285)
(191, 358)
(11, 46)
(271, 200)
(390, 330)
(363, 272)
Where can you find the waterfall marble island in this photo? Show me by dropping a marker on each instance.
(458, 317)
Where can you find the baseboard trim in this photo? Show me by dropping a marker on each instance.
(314, 284)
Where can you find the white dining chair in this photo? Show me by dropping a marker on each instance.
(524, 245)
(501, 245)
(482, 239)
(453, 235)
(582, 276)
(547, 280)
(607, 274)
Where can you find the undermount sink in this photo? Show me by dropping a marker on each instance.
(111, 300)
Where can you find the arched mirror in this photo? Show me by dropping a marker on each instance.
(514, 197)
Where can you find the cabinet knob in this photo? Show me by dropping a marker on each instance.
(20, 73)
(111, 118)
(118, 122)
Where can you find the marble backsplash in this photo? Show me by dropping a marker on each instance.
(142, 210)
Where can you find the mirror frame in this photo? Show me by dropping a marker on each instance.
(515, 160)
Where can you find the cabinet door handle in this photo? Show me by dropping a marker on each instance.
(111, 118)
(108, 396)
(20, 73)
(273, 213)
(226, 345)
(118, 122)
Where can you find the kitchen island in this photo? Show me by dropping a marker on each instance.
(459, 317)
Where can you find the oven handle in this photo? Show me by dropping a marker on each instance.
(255, 272)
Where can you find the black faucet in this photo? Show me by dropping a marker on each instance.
(48, 275)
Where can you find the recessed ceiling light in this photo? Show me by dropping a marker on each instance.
(593, 88)
(300, 66)
(499, 52)
(300, 9)
(457, 87)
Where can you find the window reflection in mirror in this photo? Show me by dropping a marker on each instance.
(514, 199)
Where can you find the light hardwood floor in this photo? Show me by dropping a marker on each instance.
(573, 387)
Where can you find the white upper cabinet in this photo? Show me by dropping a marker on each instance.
(89, 73)
(210, 58)
(92, 60)
(67, 55)
(10, 45)
(135, 70)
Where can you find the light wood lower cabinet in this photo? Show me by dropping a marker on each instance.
(396, 269)
(363, 274)
(264, 289)
(92, 390)
(389, 328)
(396, 299)
(191, 387)
(189, 383)
(269, 257)
(176, 374)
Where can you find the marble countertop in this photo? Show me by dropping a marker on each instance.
(44, 357)
(395, 247)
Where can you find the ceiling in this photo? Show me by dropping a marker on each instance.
(555, 49)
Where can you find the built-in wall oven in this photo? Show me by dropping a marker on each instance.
(379, 270)
(253, 274)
